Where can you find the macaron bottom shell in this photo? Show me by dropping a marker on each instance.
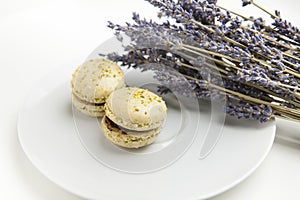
(118, 137)
(88, 109)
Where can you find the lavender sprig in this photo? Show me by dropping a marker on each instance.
(212, 51)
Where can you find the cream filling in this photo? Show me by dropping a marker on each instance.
(112, 126)
(87, 102)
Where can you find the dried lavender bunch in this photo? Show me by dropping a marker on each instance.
(213, 51)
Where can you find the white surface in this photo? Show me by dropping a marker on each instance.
(171, 161)
(36, 36)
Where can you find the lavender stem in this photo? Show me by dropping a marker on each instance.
(263, 9)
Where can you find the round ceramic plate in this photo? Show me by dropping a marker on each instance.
(70, 149)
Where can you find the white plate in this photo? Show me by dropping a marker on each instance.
(50, 135)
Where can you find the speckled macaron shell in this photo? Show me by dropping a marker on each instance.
(92, 83)
(94, 80)
(136, 109)
(116, 136)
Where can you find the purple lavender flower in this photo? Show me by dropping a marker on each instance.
(175, 82)
(245, 110)
(210, 48)
(246, 2)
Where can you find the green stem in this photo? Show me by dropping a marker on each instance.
(263, 9)
(196, 49)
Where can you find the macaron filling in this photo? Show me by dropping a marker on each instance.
(87, 102)
(113, 126)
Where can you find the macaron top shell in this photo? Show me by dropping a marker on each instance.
(94, 80)
(136, 109)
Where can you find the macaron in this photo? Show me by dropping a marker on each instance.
(93, 82)
(133, 117)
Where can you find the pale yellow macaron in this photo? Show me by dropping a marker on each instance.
(93, 82)
(133, 117)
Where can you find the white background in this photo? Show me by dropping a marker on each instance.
(38, 36)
